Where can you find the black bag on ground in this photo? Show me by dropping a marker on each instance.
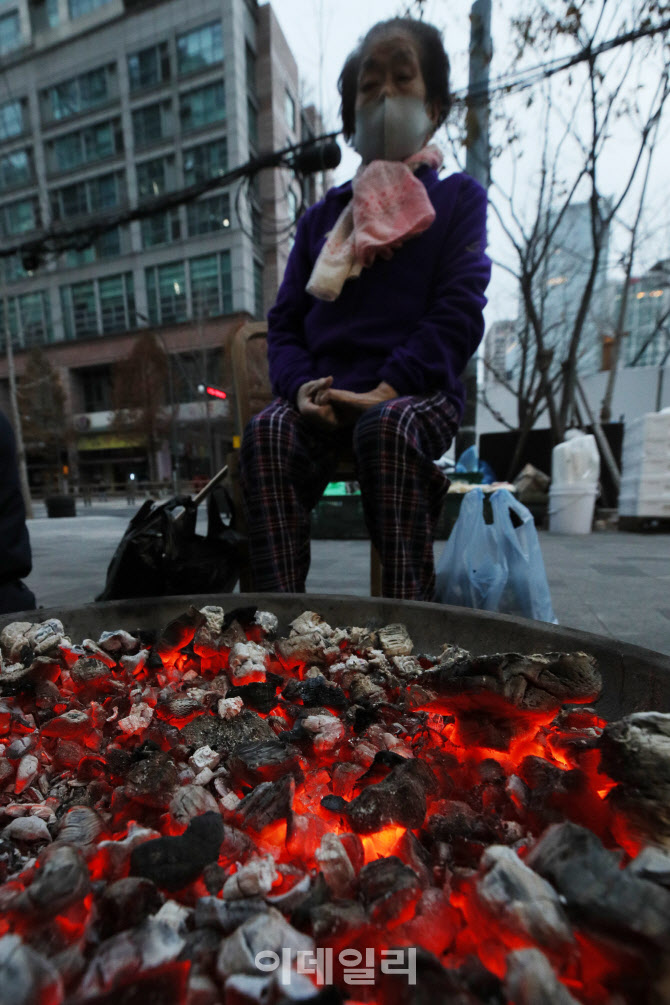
(161, 554)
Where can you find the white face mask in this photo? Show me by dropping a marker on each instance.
(392, 129)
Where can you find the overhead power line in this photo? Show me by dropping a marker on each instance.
(527, 78)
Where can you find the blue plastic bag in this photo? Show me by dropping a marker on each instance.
(496, 566)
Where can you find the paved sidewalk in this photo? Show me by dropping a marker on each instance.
(611, 583)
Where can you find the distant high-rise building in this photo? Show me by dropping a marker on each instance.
(105, 105)
(646, 337)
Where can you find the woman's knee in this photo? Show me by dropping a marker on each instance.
(387, 422)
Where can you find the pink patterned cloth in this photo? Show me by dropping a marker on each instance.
(389, 205)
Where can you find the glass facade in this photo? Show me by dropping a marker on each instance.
(78, 8)
(107, 245)
(152, 123)
(205, 161)
(161, 228)
(149, 67)
(99, 306)
(155, 176)
(28, 320)
(202, 106)
(208, 215)
(199, 49)
(79, 94)
(10, 32)
(166, 293)
(19, 217)
(211, 285)
(85, 146)
(11, 119)
(16, 169)
(91, 196)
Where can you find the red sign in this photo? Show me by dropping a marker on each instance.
(215, 392)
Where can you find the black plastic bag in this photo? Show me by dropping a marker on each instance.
(161, 554)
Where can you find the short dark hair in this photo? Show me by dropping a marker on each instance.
(434, 67)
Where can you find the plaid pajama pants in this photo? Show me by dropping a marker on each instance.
(286, 464)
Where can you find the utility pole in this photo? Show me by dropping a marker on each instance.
(478, 166)
(16, 418)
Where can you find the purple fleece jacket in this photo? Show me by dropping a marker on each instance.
(413, 321)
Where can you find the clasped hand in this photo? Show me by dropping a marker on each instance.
(319, 402)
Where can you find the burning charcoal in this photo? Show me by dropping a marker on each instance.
(45, 637)
(268, 932)
(245, 616)
(227, 915)
(19, 747)
(30, 830)
(120, 959)
(406, 667)
(178, 707)
(13, 640)
(202, 990)
(454, 820)
(435, 983)
(172, 862)
(266, 803)
(213, 619)
(81, 825)
(27, 977)
(265, 760)
(88, 671)
(204, 757)
(337, 868)
(364, 691)
(62, 879)
(596, 891)
(254, 879)
(137, 720)
(191, 801)
(387, 887)
(235, 847)
(435, 923)
(117, 852)
(395, 640)
(19, 679)
(178, 633)
(261, 695)
(399, 799)
(119, 643)
(247, 662)
(227, 735)
(315, 691)
(340, 919)
(530, 980)
(28, 767)
(652, 863)
(245, 989)
(635, 753)
(452, 654)
(174, 915)
(287, 901)
(127, 903)
(524, 902)
(326, 730)
(413, 854)
(266, 621)
(228, 708)
(153, 780)
(70, 724)
(530, 683)
(308, 622)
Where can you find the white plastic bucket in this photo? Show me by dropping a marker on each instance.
(571, 508)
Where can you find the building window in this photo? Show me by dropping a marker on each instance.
(16, 169)
(78, 8)
(161, 228)
(211, 285)
(85, 146)
(258, 288)
(95, 384)
(148, 67)
(205, 161)
(80, 316)
(10, 32)
(79, 94)
(155, 177)
(152, 123)
(117, 303)
(19, 217)
(166, 293)
(13, 270)
(202, 106)
(289, 111)
(208, 215)
(28, 320)
(104, 192)
(11, 119)
(107, 245)
(199, 49)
